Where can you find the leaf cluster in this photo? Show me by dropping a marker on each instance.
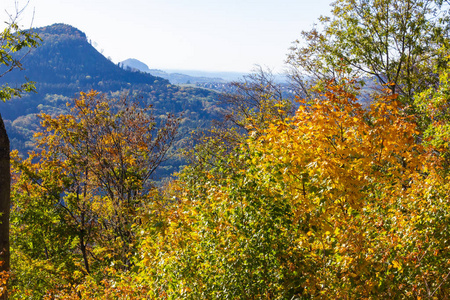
(14, 40)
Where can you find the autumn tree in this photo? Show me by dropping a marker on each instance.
(250, 106)
(79, 195)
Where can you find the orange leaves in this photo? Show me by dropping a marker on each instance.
(356, 171)
(4, 277)
(335, 140)
(80, 197)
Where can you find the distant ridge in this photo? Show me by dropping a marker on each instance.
(135, 64)
(174, 78)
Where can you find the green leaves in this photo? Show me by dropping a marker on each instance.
(13, 42)
(395, 42)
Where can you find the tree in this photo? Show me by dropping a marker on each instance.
(255, 101)
(250, 106)
(5, 181)
(433, 106)
(12, 40)
(393, 41)
(79, 196)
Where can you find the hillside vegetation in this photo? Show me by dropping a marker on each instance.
(324, 198)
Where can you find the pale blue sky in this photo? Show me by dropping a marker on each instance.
(213, 35)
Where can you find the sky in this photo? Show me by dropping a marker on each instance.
(207, 35)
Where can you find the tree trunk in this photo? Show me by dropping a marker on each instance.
(5, 203)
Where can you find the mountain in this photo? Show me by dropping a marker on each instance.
(66, 63)
(66, 58)
(133, 64)
(136, 65)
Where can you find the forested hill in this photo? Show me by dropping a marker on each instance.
(66, 63)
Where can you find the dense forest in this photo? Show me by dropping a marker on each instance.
(341, 194)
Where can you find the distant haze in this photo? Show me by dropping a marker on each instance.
(210, 35)
(229, 76)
